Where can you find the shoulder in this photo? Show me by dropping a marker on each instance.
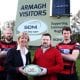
(75, 45)
(54, 50)
(2, 42)
(12, 51)
(61, 43)
(73, 42)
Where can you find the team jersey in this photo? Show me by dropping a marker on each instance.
(69, 66)
(5, 46)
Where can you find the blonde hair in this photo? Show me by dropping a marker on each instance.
(25, 35)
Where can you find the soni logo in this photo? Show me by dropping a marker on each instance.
(33, 27)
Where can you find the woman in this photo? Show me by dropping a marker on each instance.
(17, 58)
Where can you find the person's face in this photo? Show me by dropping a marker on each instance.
(66, 35)
(23, 40)
(8, 35)
(45, 41)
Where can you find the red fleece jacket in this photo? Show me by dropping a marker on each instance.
(52, 60)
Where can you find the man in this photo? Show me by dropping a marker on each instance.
(5, 45)
(70, 52)
(48, 58)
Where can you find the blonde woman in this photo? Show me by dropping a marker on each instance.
(17, 58)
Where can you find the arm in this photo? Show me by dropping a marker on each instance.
(11, 66)
(10, 62)
(58, 67)
(3, 54)
(73, 56)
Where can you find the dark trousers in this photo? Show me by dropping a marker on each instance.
(2, 75)
(67, 77)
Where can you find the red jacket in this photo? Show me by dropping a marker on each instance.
(51, 60)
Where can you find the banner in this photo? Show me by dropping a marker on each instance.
(33, 17)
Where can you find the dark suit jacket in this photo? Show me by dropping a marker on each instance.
(12, 63)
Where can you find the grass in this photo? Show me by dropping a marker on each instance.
(78, 68)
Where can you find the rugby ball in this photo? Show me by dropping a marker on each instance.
(32, 69)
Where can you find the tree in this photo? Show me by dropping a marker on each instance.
(75, 25)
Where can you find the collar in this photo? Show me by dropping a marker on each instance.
(67, 42)
(19, 48)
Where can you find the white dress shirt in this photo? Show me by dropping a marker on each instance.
(23, 52)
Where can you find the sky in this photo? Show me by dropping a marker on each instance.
(75, 6)
(8, 9)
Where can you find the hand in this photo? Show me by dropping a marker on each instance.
(21, 70)
(43, 71)
(3, 53)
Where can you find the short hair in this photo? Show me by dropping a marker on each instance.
(66, 29)
(7, 29)
(47, 34)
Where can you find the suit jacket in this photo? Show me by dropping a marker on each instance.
(13, 62)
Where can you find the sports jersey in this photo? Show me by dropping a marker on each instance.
(69, 66)
(5, 46)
